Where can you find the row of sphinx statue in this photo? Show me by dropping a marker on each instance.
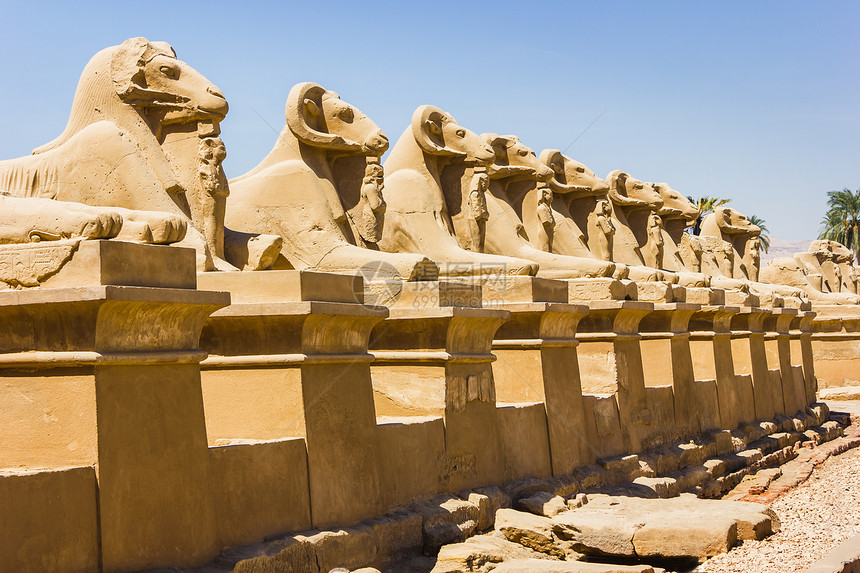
(141, 160)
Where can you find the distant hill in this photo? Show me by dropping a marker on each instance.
(780, 248)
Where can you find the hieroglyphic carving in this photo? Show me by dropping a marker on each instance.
(29, 265)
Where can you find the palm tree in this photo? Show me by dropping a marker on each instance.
(706, 205)
(764, 239)
(842, 221)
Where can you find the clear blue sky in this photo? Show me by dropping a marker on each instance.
(756, 101)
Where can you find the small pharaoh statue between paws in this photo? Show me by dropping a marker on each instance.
(372, 205)
(726, 258)
(752, 257)
(211, 154)
(655, 239)
(547, 221)
(601, 241)
(691, 252)
(478, 213)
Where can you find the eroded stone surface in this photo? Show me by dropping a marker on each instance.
(476, 553)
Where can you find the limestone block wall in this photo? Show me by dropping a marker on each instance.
(259, 488)
(49, 521)
(223, 424)
(835, 344)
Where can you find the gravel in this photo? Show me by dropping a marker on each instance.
(816, 516)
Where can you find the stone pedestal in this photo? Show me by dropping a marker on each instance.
(699, 295)
(731, 394)
(754, 318)
(284, 286)
(804, 335)
(670, 322)
(439, 362)
(536, 358)
(656, 291)
(793, 389)
(585, 290)
(306, 366)
(741, 299)
(617, 323)
(437, 294)
(107, 375)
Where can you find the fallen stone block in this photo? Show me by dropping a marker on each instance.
(578, 501)
(567, 485)
(722, 442)
(691, 454)
(752, 432)
(476, 552)
(682, 536)
(497, 499)
(532, 531)
(446, 520)
(599, 532)
(352, 548)
(526, 488)
(755, 521)
(621, 469)
(590, 477)
(819, 411)
(661, 486)
(543, 503)
(281, 555)
(716, 467)
(680, 527)
(397, 534)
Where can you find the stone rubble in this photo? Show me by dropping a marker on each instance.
(816, 516)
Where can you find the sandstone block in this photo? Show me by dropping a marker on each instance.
(476, 552)
(397, 534)
(590, 477)
(680, 527)
(282, 555)
(543, 503)
(532, 531)
(348, 548)
(526, 488)
(446, 520)
(681, 537)
(661, 486)
(491, 500)
(578, 501)
(599, 532)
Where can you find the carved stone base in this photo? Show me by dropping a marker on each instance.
(738, 298)
(73, 263)
(656, 291)
(506, 290)
(584, 290)
(698, 295)
(435, 294)
(284, 286)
